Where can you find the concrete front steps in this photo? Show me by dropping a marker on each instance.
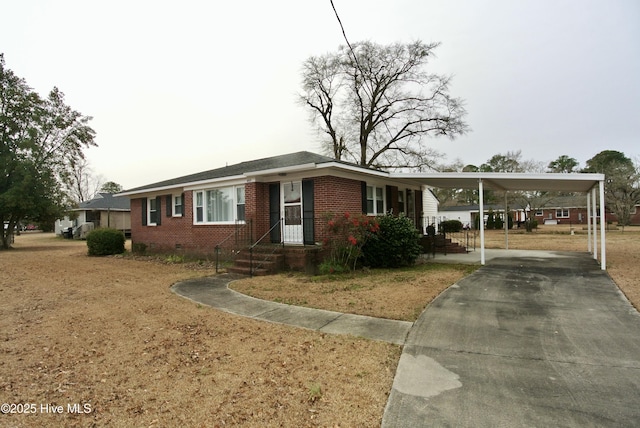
(266, 259)
(269, 259)
(450, 247)
(442, 245)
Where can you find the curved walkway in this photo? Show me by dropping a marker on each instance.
(213, 291)
(544, 340)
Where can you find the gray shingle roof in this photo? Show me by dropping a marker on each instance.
(282, 161)
(105, 201)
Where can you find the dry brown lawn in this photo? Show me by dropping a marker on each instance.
(108, 332)
(400, 294)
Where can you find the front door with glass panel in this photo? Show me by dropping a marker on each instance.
(292, 209)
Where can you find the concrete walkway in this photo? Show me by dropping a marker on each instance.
(213, 291)
(532, 339)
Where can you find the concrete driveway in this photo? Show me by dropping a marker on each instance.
(523, 342)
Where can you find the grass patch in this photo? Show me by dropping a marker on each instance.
(400, 294)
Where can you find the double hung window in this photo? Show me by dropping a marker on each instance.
(375, 200)
(177, 205)
(152, 211)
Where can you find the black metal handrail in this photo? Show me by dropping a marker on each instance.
(252, 246)
(465, 238)
(239, 233)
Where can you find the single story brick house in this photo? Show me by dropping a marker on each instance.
(280, 199)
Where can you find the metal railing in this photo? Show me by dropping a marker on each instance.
(261, 263)
(239, 238)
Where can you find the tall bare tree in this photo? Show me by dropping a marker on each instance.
(82, 184)
(377, 104)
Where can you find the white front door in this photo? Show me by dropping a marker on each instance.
(292, 212)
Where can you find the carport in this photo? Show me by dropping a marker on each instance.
(592, 185)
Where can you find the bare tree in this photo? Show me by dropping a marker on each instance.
(82, 184)
(377, 104)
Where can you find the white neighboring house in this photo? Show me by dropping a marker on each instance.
(430, 204)
(464, 213)
(105, 210)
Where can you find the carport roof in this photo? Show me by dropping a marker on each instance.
(506, 181)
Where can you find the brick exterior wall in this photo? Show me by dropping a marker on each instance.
(334, 195)
(179, 234)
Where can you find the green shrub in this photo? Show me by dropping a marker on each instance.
(105, 242)
(395, 244)
(451, 226)
(138, 248)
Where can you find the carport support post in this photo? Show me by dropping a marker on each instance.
(589, 222)
(506, 222)
(594, 219)
(603, 220)
(481, 222)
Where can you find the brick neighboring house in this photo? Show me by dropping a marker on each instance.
(563, 210)
(282, 199)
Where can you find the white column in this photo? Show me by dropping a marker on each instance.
(506, 222)
(481, 222)
(589, 221)
(595, 223)
(603, 220)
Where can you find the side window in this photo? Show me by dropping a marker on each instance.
(152, 212)
(375, 200)
(199, 207)
(177, 206)
(240, 203)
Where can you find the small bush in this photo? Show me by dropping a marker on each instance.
(451, 226)
(346, 234)
(105, 242)
(138, 248)
(396, 244)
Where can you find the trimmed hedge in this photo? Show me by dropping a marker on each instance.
(105, 242)
(395, 244)
(451, 226)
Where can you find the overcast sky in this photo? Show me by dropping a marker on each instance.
(181, 87)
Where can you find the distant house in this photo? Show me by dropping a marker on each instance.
(570, 210)
(635, 216)
(562, 210)
(105, 210)
(467, 214)
(282, 199)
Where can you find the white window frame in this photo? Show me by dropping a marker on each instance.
(175, 206)
(206, 210)
(375, 199)
(149, 211)
(562, 212)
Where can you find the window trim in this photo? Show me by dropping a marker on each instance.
(201, 193)
(562, 212)
(152, 220)
(174, 211)
(375, 200)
